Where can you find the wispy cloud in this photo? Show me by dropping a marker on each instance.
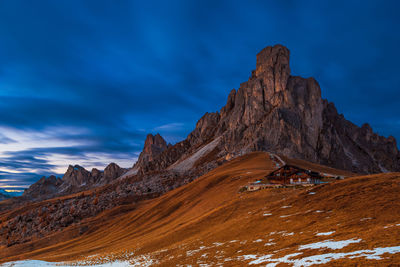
(111, 73)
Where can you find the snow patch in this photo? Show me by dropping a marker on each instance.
(192, 252)
(371, 254)
(287, 234)
(330, 244)
(324, 233)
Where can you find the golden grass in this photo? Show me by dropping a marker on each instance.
(210, 213)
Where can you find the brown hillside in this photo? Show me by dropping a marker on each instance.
(208, 221)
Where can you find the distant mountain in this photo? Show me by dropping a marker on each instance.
(75, 179)
(7, 194)
(273, 112)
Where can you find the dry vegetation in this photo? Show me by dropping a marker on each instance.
(209, 221)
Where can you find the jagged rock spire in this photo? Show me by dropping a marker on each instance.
(153, 146)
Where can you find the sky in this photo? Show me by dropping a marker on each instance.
(83, 82)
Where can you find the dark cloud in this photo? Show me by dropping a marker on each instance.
(121, 70)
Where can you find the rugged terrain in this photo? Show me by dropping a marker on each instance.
(181, 203)
(273, 111)
(348, 222)
(277, 112)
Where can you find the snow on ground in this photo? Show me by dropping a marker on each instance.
(330, 244)
(324, 233)
(287, 234)
(267, 214)
(191, 252)
(371, 254)
(285, 207)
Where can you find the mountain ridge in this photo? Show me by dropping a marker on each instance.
(273, 111)
(277, 112)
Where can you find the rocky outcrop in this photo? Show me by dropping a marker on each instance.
(77, 176)
(154, 145)
(44, 187)
(274, 111)
(111, 172)
(75, 179)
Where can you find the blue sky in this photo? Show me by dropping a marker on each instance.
(83, 82)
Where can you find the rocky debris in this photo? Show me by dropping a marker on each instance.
(55, 215)
(273, 111)
(276, 112)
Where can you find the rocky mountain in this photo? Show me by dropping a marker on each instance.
(273, 111)
(75, 179)
(44, 187)
(77, 176)
(154, 145)
(111, 172)
(277, 112)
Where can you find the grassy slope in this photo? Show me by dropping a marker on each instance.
(209, 213)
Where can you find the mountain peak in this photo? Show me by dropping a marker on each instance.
(276, 112)
(273, 67)
(153, 146)
(76, 175)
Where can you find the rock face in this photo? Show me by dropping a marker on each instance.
(44, 187)
(111, 172)
(276, 112)
(273, 111)
(75, 179)
(154, 145)
(77, 176)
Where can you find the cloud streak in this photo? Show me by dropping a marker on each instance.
(85, 81)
